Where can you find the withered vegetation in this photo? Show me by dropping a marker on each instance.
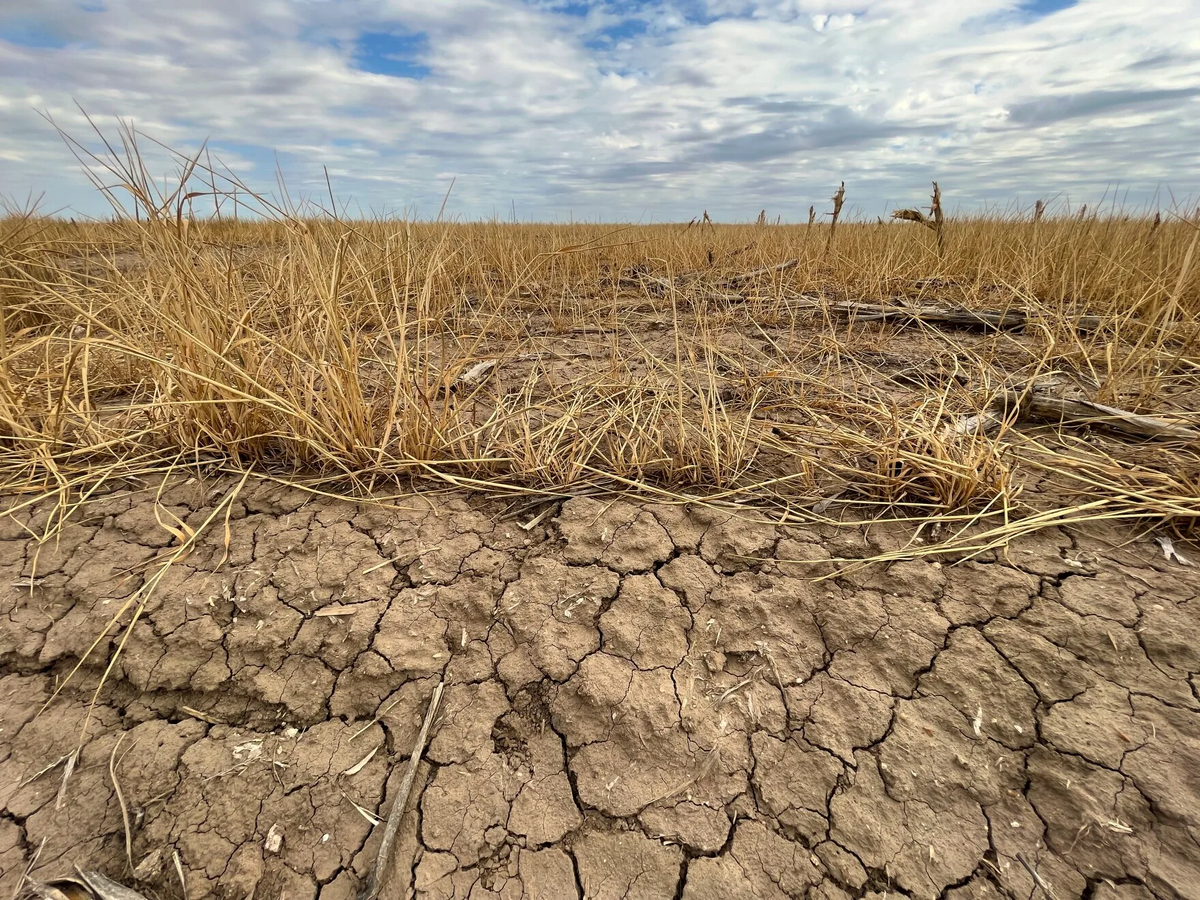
(861, 371)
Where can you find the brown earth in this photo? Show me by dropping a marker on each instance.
(642, 701)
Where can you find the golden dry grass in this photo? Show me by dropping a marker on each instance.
(636, 358)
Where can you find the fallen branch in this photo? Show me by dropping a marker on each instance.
(993, 320)
(1046, 407)
(384, 859)
(1038, 404)
(862, 311)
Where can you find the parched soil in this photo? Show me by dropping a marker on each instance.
(642, 701)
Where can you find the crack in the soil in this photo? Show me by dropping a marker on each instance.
(242, 703)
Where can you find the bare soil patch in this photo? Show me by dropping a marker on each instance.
(642, 700)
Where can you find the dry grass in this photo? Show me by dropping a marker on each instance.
(312, 347)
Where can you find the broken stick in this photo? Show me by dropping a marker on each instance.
(1048, 408)
(1038, 880)
(384, 859)
(1040, 405)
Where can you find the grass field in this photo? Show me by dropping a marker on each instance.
(681, 361)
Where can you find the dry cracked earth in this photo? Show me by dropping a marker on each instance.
(642, 701)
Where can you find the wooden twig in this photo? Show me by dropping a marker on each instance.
(384, 859)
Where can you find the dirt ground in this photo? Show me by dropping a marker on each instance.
(642, 701)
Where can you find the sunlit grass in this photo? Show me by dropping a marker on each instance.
(676, 360)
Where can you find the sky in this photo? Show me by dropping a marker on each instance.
(619, 110)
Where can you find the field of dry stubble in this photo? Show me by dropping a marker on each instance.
(837, 560)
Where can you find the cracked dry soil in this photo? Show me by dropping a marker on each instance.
(642, 701)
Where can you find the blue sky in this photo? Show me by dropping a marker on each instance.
(623, 109)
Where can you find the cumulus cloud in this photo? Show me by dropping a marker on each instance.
(618, 109)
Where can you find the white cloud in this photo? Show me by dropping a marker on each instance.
(622, 109)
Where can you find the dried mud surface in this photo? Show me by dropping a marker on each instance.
(642, 701)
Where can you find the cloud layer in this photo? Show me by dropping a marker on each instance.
(620, 109)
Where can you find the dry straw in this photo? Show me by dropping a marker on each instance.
(711, 362)
(935, 221)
